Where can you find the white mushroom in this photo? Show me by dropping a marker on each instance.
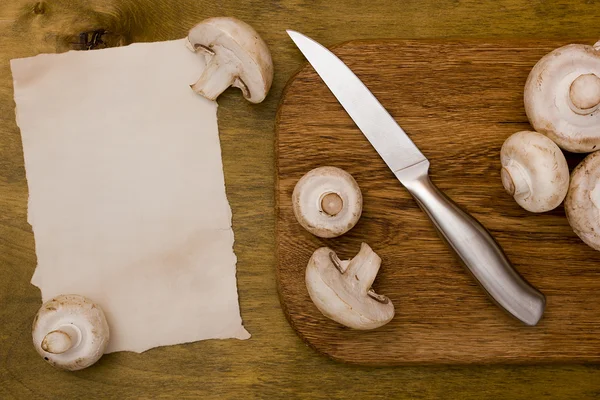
(327, 202)
(534, 171)
(342, 291)
(70, 332)
(236, 56)
(582, 204)
(562, 97)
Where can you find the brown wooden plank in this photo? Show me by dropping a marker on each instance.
(274, 363)
(458, 101)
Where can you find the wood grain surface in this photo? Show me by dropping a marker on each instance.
(458, 101)
(275, 363)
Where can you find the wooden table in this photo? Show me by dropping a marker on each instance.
(274, 363)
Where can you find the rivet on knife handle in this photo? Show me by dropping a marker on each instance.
(476, 248)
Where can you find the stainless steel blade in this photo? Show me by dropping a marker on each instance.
(386, 136)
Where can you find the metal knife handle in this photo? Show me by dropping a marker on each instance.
(476, 247)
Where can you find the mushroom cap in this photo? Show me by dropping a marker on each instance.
(582, 205)
(344, 297)
(557, 87)
(73, 313)
(320, 190)
(534, 171)
(256, 73)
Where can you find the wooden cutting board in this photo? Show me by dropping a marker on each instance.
(458, 101)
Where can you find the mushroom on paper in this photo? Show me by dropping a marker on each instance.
(562, 97)
(236, 56)
(70, 332)
(582, 205)
(534, 171)
(342, 291)
(327, 202)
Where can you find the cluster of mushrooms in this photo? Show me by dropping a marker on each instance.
(70, 331)
(327, 202)
(562, 103)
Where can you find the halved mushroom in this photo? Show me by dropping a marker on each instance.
(562, 97)
(70, 332)
(342, 291)
(534, 171)
(327, 202)
(236, 56)
(582, 205)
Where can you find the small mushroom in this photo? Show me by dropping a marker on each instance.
(534, 171)
(582, 205)
(342, 291)
(236, 56)
(327, 202)
(70, 332)
(562, 97)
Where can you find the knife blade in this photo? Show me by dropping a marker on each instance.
(471, 242)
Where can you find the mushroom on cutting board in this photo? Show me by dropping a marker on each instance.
(342, 291)
(534, 171)
(562, 97)
(327, 202)
(236, 56)
(70, 332)
(582, 205)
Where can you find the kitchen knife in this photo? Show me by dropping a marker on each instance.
(473, 244)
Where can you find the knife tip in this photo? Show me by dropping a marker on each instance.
(292, 33)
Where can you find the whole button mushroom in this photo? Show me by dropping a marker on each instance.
(582, 205)
(342, 291)
(70, 332)
(562, 97)
(534, 171)
(236, 56)
(327, 202)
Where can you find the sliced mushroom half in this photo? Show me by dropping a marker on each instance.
(342, 290)
(236, 56)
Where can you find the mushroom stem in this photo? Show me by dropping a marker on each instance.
(216, 77)
(364, 267)
(597, 45)
(331, 203)
(62, 339)
(514, 180)
(584, 94)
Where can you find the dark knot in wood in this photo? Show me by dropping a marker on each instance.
(92, 40)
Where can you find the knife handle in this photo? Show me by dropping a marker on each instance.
(476, 247)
